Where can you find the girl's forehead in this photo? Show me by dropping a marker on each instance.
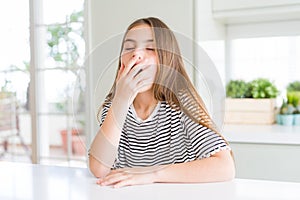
(139, 33)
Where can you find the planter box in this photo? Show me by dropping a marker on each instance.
(77, 141)
(250, 111)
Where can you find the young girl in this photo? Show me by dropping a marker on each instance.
(154, 127)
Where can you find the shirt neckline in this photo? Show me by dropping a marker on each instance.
(150, 117)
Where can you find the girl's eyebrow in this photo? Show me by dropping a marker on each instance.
(132, 40)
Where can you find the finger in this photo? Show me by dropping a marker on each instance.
(123, 183)
(144, 73)
(135, 71)
(145, 83)
(138, 69)
(131, 63)
(113, 179)
(114, 171)
(99, 181)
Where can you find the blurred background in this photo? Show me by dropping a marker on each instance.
(58, 59)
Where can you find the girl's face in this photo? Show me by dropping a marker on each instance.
(139, 42)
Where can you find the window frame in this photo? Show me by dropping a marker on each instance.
(37, 39)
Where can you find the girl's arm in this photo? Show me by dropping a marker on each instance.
(106, 142)
(218, 167)
(104, 147)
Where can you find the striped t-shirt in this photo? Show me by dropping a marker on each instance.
(167, 136)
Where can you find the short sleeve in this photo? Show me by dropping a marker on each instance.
(204, 142)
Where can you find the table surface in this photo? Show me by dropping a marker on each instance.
(40, 182)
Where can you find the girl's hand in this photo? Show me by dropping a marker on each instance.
(128, 176)
(138, 76)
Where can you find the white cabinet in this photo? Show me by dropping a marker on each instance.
(265, 152)
(267, 161)
(244, 11)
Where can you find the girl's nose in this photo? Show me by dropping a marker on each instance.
(138, 53)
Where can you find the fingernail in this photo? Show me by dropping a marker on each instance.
(103, 183)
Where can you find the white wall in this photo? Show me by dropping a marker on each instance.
(206, 27)
(107, 21)
(210, 38)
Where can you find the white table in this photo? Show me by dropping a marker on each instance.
(25, 181)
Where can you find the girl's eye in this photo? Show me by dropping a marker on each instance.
(150, 49)
(129, 49)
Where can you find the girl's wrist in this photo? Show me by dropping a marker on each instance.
(122, 101)
(120, 104)
(154, 176)
(119, 111)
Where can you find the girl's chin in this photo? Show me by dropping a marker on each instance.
(146, 88)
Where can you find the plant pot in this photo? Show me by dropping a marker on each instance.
(250, 111)
(297, 119)
(287, 120)
(78, 145)
(64, 137)
(278, 119)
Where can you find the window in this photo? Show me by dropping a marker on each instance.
(276, 58)
(59, 75)
(14, 81)
(60, 82)
(269, 50)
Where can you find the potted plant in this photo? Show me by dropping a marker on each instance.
(293, 86)
(297, 115)
(293, 95)
(250, 102)
(285, 116)
(237, 89)
(262, 88)
(294, 100)
(77, 141)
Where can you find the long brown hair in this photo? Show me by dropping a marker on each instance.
(172, 83)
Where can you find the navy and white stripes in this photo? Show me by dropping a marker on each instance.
(167, 136)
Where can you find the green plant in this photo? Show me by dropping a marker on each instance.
(263, 88)
(60, 36)
(293, 98)
(286, 108)
(6, 94)
(237, 89)
(297, 111)
(293, 86)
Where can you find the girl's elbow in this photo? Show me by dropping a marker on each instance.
(97, 169)
(227, 171)
(229, 166)
(230, 174)
(98, 172)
